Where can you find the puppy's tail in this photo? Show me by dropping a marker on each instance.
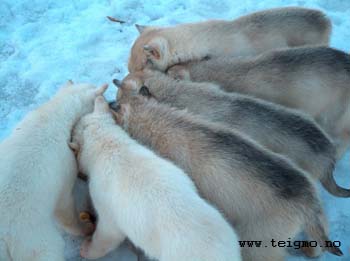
(316, 230)
(331, 185)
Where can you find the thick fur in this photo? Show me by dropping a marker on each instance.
(313, 79)
(38, 171)
(261, 193)
(146, 198)
(281, 130)
(248, 35)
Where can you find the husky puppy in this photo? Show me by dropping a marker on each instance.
(146, 198)
(281, 130)
(161, 47)
(261, 193)
(38, 171)
(312, 79)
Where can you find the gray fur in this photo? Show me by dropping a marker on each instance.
(261, 193)
(279, 129)
(312, 79)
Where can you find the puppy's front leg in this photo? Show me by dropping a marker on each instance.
(104, 240)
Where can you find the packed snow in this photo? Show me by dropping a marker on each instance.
(43, 43)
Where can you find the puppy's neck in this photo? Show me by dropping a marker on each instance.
(64, 112)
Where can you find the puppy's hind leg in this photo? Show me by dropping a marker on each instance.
(67, 215)
(104, 240)
(269, 231)
(341, 135)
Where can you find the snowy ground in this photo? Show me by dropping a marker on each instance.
(43, 43)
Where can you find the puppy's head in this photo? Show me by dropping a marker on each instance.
(121, 113)
(125, 110)
(101, 106)
(76, 144)
(83, 89)
(83, 94)
(150, 50)
(132, 85)
(101, 112)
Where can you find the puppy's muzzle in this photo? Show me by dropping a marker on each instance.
(113, 105)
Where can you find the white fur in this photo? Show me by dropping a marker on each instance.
(146, 198)
(38, 171)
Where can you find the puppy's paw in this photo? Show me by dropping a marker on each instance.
(74, 230)
(85, 248)
(89, 228)
(88, 223)
(311, 252)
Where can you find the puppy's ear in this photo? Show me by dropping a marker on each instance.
(74, 147)
(152, 51)
(101, 105)
(140, 28)
(101, 90)
(144, 91)
(179, 72)
(68, 84)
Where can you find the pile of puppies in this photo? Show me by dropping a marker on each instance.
(218, 134)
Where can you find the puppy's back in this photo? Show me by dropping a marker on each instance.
(155, 190)
(301, 26)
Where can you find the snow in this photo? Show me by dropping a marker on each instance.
(43, 43)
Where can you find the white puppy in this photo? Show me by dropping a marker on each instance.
(146, 198)
(38, 171)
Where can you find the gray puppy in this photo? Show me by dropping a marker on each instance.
(279, 129)
(312, 79)
(161, 47)
(261, 193)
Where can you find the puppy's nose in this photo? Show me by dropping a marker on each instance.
(113, 105)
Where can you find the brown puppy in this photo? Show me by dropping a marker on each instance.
(161, 47)
(312, 79)
(281, 130)
(261, 193)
